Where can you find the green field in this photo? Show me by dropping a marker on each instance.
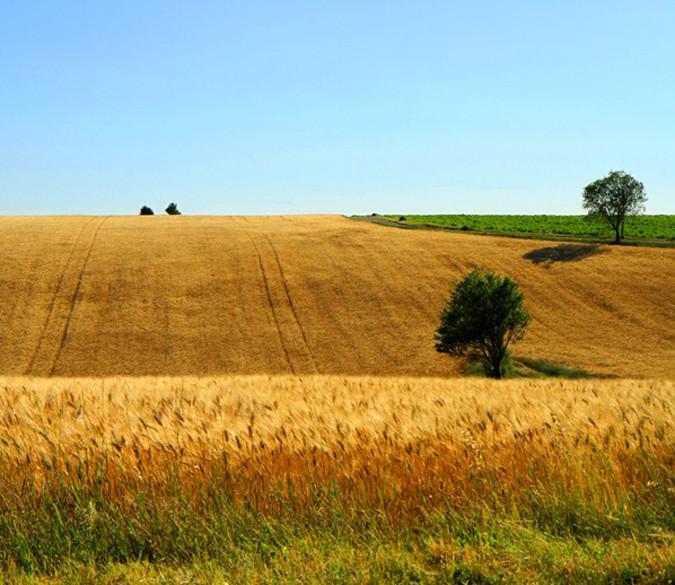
(640, 229)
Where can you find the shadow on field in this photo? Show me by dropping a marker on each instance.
(562, 253)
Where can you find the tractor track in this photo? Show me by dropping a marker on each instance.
(54, 298)
(76, 292)
(274, 311)
(270, 301)
(291, 304)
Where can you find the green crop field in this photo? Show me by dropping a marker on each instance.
(645, 228)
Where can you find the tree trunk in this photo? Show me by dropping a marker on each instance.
(497, 366)
(617, 237)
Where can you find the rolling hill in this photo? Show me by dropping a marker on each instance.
(107, 296)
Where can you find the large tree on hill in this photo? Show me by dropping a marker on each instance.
(484, 315)
(613, 198)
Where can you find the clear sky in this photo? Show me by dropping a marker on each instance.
(340, 106)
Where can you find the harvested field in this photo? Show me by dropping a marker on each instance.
(93, 296)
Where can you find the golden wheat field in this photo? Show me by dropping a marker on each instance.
(93, 296)
(425, 436)
(313, 479)
(263, 393)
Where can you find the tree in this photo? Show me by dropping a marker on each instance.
(145, 210)
(613, 198)
(172, 209)
(484, 315)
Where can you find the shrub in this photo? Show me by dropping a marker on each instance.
(172, 209)
(145, 210)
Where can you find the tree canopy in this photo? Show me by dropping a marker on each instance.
(172, 209)
(613, 198)
(484, 315)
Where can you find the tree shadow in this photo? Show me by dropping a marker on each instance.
(563, 253)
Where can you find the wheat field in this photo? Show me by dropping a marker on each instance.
(258, 400)
(109, 296)
(95, 470)
(53, 424)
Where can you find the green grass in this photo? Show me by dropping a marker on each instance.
(522, 367)
(76, 537)
(551, 370)
(640, 229)
(510, 554)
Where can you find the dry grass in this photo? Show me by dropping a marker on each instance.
(95, 296)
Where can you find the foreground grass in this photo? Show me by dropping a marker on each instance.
(506, 554)
(79, 537)
(644, 229)
(288, 480)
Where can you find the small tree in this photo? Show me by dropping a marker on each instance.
(484, 315)
(613, 198)
(145, 210)
(172, 209)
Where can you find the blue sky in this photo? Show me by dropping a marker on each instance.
(260, 107)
